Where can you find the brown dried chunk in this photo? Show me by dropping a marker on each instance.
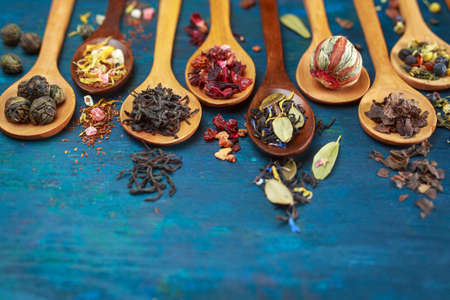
(403, 197)
(344, 23)
(246, 4)
(377, 156)
(399, 181)
(383, 172)
(425, 205)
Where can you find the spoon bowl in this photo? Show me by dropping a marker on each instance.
(110, 28)
(416, 29)
(309, 85)
(220, 34)
(162, 73)
(46, 65)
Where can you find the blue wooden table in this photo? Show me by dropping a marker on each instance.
(67, 233)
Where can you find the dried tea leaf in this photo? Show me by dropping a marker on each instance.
(300, 119)
(344, 23)
(295, 24)
(324, 159)
(271, 100)
(383, 172)
(277, 193)
(289, 170)
(283, 129)
(402, 198)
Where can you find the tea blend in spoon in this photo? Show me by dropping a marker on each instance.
(277, 120)
(158, 110)
(396, 114)
(218, 73)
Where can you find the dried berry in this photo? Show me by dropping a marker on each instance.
(43, 110)
(17, 110)
(31, 43)
(11, 34)
(442, 59)
(11, 64)
(402, 54)
(410, 60)
(57, 93)
(440, 69)
(37, 86)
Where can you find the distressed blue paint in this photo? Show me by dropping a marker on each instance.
(79, 235)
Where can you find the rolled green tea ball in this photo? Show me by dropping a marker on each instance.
(31, 43)
(37, 86)
(11, 34)
(11, 64)
(17, 110)
(85, 30)
(57, 93)
(43, 110)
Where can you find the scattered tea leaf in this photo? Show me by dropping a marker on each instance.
(324, 159)
(402, 198)
(289, 170)
(383, 172)
(277, 193)
(282, 127)
(295, 24)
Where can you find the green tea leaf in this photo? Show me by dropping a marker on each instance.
(324, 159)
(277, 193)
(282, 127)
(289, 170)
(295, 24)
(271, 100)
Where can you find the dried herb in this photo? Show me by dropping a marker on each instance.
(150, 168)
(30, 42)
(289, 170)
(324, 160)
(295, 24)
(442, 106)
(396, 114)
(197, 29)
(344, 23)
(42, 110)
(425, 205)
(11, 64)
(17, 110)
(158, 111)
(402, 198)
(383, 172)
(218, 73)
(57, 93)
(37, 86)
(321, 126)
(11, 34)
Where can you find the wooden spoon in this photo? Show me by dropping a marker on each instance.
(220, 34)
(109, 28)
(311, 87)
(46, 65)
(386, 81)
(277, 81)
(162, 73)
(416, 29)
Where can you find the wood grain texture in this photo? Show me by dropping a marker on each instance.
(277, 81)
(46, 65)
(69, 231)
(386, 82)
(110, 28)
(162, 73)
(417, 29)
(221, 34)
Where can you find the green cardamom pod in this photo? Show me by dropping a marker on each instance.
(295, 24)
(324, 159)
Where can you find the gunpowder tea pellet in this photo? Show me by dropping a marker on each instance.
(43, 110)
(11, 34)
(37, 86)
(17, 110)
(11, 64)
(31, 43)
(57, 93)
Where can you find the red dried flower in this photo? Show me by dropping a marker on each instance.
(197, 29)
(209, 134)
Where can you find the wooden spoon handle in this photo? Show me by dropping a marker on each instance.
(111, 24)
(318, 20)
(220, 20)
(411, 13)
(272, 38)
(374, 37)
(169, 11)
(55, 31)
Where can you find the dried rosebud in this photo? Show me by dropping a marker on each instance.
(57, 93)
(31, 43)
(17, 110)
(37, 86)
(97, 114)
(11, 34)
(11, 64)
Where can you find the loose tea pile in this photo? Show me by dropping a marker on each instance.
(197, 29)
(36, 102)
(284, 184)
(396, 114)
(227, 133)
(218, 73)
(277, 120)
(97, 121)
(425, 61)
(159, 111)
(421, 176)
(101, 65)
(150, 168)
(443, 104)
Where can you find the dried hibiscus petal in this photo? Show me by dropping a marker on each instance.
(209, 134)
(197, 29)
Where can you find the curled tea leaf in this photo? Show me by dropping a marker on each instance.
(277, 193)
(283, 129)
(289, 170)
(324, 159)
(295, 24)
